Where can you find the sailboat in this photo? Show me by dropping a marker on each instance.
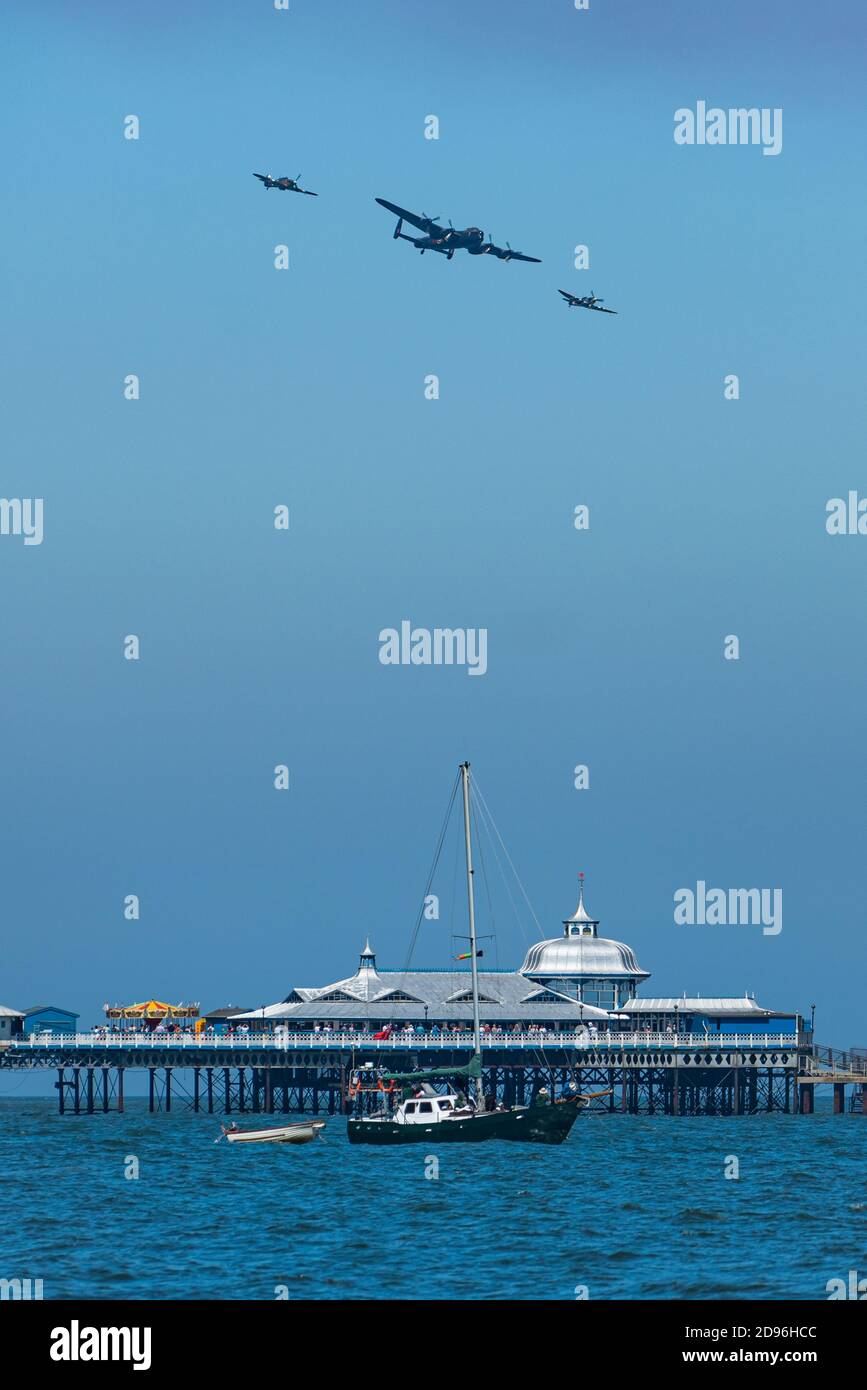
(425, 1115)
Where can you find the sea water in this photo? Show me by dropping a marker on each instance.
(148, 1206)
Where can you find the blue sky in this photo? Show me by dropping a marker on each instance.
(305, 387)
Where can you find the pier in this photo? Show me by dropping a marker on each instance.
(644, 1073)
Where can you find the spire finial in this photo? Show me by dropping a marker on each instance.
(580, 923)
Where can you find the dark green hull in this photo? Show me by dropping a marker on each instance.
(533, 1124)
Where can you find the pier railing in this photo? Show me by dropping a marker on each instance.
(198, 1045)
(832, 1060)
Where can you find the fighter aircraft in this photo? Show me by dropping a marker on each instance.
(447, 240)
(587, 301)
(286, 185)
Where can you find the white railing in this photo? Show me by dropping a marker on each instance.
(243, 1042)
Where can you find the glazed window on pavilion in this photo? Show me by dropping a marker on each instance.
(601, 994)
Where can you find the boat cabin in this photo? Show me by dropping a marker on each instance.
(428, 1106)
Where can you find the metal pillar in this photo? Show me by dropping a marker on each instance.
(120, 1090)
(839, 1098)
(227, 1090)
(168, 1089)
(806, 1099)
(151, 1089)
(61, 1083)
(76, 1091)
(209, 1083)
(195, 1090)
(105, 1090)
(89, 1090)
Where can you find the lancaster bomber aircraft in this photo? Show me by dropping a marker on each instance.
(285, 184)
(586, 301)
(447, 240)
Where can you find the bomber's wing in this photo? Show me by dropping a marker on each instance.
(570, 298)
(308, 192)
(507, 255)
(600, 310)
(424, 224)
(263, 177)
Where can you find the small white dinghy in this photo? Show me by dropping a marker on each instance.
(281, 1134)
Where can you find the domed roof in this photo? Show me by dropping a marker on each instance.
(581, 954)
(588, 957)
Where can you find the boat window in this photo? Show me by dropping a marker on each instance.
(425, 1108)
(410, 1107)
(445, 1105)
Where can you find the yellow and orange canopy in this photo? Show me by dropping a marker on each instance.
(151, 1008)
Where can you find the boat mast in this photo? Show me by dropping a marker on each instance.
(477, 1032)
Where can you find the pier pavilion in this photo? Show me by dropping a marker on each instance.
(565, 982)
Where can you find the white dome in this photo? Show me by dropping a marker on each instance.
(579, 954)
(582, 957)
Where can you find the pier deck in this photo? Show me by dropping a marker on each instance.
(643, 1072)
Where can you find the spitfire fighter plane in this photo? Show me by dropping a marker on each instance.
(586, 301)
(286, 185)
(447, 240)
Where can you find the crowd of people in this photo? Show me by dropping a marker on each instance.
(380, 1032)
